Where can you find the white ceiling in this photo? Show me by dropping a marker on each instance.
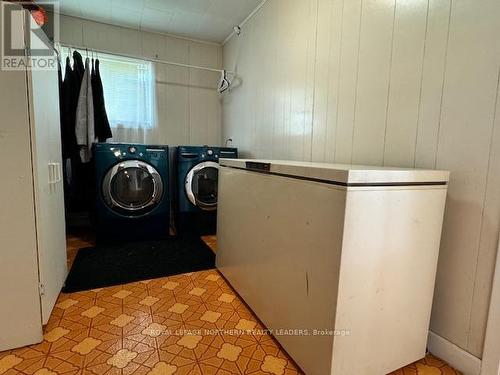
(210, 20)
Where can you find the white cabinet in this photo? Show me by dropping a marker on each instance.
(340, 261)
(32, 231)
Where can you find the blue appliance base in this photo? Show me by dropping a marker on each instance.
(198, 223)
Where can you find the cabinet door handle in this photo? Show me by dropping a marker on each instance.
(55, 173)
(58, 172)
(51, 173)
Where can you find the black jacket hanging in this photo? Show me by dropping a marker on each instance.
(69, 98)
(102, 128)
(78, 174)
(78, 68)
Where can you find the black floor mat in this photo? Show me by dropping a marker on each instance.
(101, 266)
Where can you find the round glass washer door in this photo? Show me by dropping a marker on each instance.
(201, 185)
(132, 188)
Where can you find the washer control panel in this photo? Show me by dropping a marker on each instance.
(139, 151)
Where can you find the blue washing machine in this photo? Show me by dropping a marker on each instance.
(197, 180)
(132, 192)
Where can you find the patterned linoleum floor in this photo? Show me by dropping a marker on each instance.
(161, 327)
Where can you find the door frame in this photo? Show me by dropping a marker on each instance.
(491, 354)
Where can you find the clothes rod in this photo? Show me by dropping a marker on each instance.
(158, 61)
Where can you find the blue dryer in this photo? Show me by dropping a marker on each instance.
(198, 172)
(132, 192)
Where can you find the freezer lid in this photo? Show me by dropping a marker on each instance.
(342, 174)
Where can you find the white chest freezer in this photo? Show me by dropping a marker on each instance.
(338, 261)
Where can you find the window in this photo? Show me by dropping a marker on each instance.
(129, 90)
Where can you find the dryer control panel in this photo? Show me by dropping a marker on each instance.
(205, 153)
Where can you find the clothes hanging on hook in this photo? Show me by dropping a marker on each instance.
(102, 126)
(78, 66)
(69, 100)
(74, 78)
(71, 160)
(84, 127)
(92, 63)
(77, 151)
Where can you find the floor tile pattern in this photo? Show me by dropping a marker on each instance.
(161, 327)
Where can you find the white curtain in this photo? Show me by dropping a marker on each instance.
(129, 92)
(130, 97)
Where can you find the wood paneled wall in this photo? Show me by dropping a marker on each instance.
(411, 83)
(189, 108)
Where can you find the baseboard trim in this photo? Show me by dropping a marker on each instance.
(455, 356)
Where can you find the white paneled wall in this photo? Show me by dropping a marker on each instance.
(394, 82)
(189, 108)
